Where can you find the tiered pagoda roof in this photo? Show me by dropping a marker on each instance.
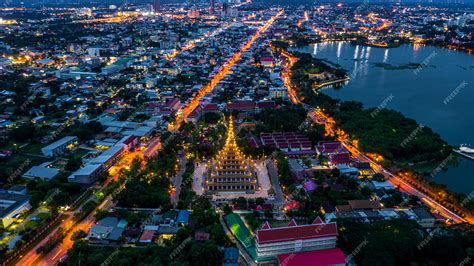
(230, 170)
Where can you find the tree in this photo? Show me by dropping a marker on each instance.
(205, 254)
(100, 214)
(211, 118)
(378, 177)
(23, 133)
(242, 203)
(227, 209)
(79, 234)
(268, 214)
(259, 201)
(366, 191)
(73, 163)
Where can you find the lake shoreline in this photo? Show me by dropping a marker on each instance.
(436, 87)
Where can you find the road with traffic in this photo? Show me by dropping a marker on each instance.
(51, 258)
(70, 225)
(223, 71)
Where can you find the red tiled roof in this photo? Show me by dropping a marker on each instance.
(292, 223)
(266, 104)
(323, 257)
(283, 145)
(194, 114)
(266, 225)
(341, 158)
(211, 107)
(364, 204)
(241, 105)
(331, 147)
(201, 236)
(296, 233)
(318, 221)
(147, 235)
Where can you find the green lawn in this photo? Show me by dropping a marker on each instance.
(239, 229)
(33, 148)
(44, 216)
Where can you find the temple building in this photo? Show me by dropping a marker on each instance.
(230, 170)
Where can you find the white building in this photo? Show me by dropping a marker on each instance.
(60, 146)
(11, 205)
(295, 238)
(278, 92)
(86, 174)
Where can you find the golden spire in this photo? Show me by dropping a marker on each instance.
(230, 141)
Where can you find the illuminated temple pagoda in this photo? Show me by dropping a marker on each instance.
(230, 170)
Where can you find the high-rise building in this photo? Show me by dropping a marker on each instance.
(228, 10)
(230, 170)
(211, 6)
(156, 5)
(225, 9)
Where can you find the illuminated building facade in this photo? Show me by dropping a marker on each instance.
(230, 170)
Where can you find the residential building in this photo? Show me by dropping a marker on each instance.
(106, 231)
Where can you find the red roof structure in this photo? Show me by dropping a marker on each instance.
(211, 107)
(195, 113)
(297, 143)
(201, 236)
(330, 147)
(299, 232)
(318, 221)
(241, 106)
(266, 104)
(147, 236)
(266, 225)
(292, 223)
(340, 158)
(324, 257)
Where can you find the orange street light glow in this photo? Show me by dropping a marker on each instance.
(223, 71)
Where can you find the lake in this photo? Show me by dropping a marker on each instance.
(432, 85)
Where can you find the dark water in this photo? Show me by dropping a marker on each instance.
(439, 95)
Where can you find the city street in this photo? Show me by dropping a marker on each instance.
(273, 174)
(34, 258)
(177, 180)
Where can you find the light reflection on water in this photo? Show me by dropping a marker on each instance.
(418, 93)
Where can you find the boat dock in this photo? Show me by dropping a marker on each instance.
(467, 155)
